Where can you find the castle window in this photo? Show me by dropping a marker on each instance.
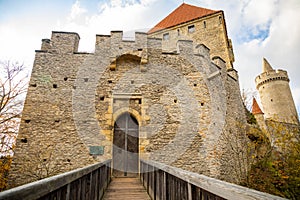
(191, 28)
(220, 20)
(24, 140)
(204, 24)
(178, 32)
(166, 36)
(54, 85)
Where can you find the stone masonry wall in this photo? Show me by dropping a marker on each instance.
(182, 100)
(48, 142)
(209, 30)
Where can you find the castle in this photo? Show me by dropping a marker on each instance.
(275, 96)
(172, 95)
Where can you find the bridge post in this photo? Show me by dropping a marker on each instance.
(190, 195)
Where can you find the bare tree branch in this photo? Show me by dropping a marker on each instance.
(13, 86)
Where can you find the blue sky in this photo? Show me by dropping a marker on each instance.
(258, 28)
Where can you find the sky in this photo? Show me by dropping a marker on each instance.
(258, 28)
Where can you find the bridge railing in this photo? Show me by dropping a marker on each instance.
(85, 183)
(165, 182)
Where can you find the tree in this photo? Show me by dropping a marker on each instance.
(278, 172)
(245, 143)
(13, 85)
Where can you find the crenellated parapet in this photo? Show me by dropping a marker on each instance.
(61, 42)
(275, 95)
(269, 76)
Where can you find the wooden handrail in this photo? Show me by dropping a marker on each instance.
(166, 182)
(84, 183)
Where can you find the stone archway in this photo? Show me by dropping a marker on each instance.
(126, 146)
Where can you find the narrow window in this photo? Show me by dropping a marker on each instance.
(191, 28)
(220, 19)
(24, 140)
(178, 32)
(166, 36)
(204, 24)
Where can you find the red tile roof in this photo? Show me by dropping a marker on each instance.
(182, 14)
(255, 108)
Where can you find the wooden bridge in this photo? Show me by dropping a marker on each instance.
(155, 181)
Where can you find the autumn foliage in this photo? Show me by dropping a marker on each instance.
(278, 171)
(4, 168)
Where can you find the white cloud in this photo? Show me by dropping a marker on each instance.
(113, 15)
(116, 3)
(76, 11)
(259, 12)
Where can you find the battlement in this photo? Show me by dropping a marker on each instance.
(115, 42)
(272, 75)
(61, 42)
(114, 47)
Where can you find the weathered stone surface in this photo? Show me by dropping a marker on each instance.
(183, 102)
(209, 30)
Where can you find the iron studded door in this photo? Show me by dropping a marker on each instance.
(125, 146)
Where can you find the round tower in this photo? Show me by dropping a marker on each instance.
(275, 95)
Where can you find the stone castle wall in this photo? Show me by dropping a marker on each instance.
(209, 30)
(48, 140)
(183, 101)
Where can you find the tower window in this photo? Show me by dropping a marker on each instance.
(191, 28)
(166, 36)
(178, 32)
(220, 20)
(204, 24)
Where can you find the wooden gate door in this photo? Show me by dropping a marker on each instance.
(125, 146)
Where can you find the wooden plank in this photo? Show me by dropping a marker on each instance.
(125, 188)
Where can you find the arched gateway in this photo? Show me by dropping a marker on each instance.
(125, 146)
